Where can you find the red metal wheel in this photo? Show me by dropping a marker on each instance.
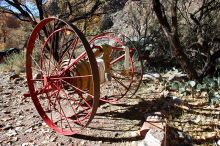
(123, 78)
(62, 76)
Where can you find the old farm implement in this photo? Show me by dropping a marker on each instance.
(67, 75)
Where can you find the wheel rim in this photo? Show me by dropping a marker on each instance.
(120, 85)
(55, 55)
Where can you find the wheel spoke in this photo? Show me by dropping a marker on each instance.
(123, 79)
(123, 85)
(66, 108)
(72, 107)
(74, 77)
(81, 93)
(80, 57)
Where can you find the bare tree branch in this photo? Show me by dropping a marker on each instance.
(87, 14)
(174, 16)
(29, 11)
(40, 8)
(172, 36)
(16, 4)
(160, 12)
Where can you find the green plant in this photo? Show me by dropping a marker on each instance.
(192, 85)
(210, 85)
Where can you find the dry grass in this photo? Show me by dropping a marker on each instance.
(15, 62)
(2, 46)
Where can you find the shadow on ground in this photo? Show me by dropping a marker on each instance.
(118, 116)
(112, 122)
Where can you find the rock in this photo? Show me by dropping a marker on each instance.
(176, 99)
(29, 130)
(164, 93)
(153, 118)
(11, 132)
(45, 130)
(133, 143)
(156, 75)
(116, 134)
(17, 81)
(174, 75)
(6, 112)
(115, 6)
(156, 116)
(82, 142)
(106, 22)
(11, 87)
(147, 77)
(14, 76)
(142, 143)
(204, 94)
(6, 119)
(180, 135)
(18, 128)
(151, 125)
(45, 142)
(7, 93)
(53, 139)
(37, 76)
(153, 121)
(151, 76)
(134, 134)
(154, 137)
(28, 144)
(124, 25)
(8, 126)
(104, 106)
(14, 139)
(198, 119)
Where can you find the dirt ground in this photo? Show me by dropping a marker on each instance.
(192, 122)
(20, 123)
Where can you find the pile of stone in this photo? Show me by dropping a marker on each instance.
(154, 130)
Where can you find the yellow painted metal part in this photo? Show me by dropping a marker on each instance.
(82, 68)
(107, 50)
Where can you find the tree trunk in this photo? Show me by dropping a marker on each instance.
(171, 32)
(181, 57)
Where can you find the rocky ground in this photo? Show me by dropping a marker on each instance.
(187, 123)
